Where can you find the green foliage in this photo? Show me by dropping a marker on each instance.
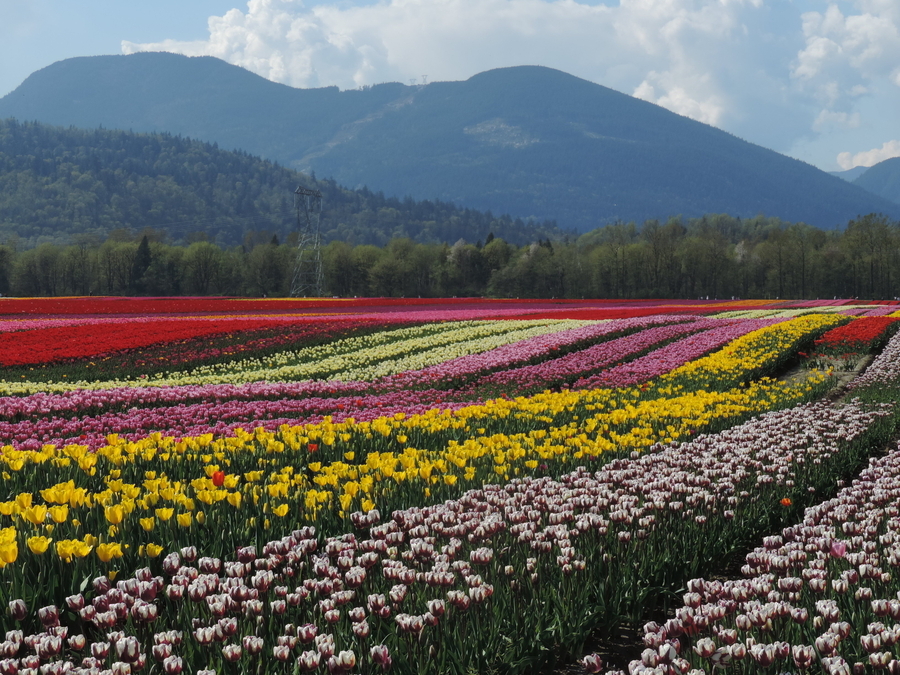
(715, 256)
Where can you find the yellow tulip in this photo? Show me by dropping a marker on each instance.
(164, 513)
(281, 511)
(9, 551)
(107, 552)
(35, 514)
(38, 545)
(59, 514)
(153, 550)
(148, 524)
(114, 514)
(184, 519)
(65, 549)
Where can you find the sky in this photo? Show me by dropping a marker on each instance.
(818, 80)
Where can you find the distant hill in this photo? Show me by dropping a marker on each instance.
(850, 175)
(59, 184)
(883, 179)
(530, 141)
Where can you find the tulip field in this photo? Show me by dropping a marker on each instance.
(223, 485)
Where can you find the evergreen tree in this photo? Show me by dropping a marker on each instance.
(142, 260)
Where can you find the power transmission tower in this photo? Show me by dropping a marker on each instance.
(309, 280)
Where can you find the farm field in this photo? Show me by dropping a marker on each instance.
(230, 485)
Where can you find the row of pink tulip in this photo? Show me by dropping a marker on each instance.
(882, 310)
(217, 417)
(10, 325)
(673, 355)
(508, 356)
(589, 360)
(95, 401)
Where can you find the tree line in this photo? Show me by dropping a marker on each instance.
(716, 256)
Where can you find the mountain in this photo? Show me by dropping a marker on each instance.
(529, 141)
(850, 175)
(883, 179)
(58, 185)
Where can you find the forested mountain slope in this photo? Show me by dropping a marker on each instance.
(530, 141)
(883, 179)
(57, 184)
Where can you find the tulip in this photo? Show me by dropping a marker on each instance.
(592, 663)
(381, 656)
(49, 615)
(120, 668)
(128, 649)
(307, 632)
(100, 650)
(231, 653)
(252, 644)
(325, 645)
(346, 660)
(162, 651)
(172, 665)
(309, 661)
(18, 610)
(705, 648)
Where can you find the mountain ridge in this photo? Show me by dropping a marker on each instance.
(530, 141)
(882, 179)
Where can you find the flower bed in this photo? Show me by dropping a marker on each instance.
(821, 595)
(567, 369)
(860, 335)
(224, 518)
(461, 370)
(663, 360)
(465, 585)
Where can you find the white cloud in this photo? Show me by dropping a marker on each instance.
(828, 120)
(845, 51)
(889, 150)
(709, 109)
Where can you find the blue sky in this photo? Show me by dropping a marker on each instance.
(815, 79)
